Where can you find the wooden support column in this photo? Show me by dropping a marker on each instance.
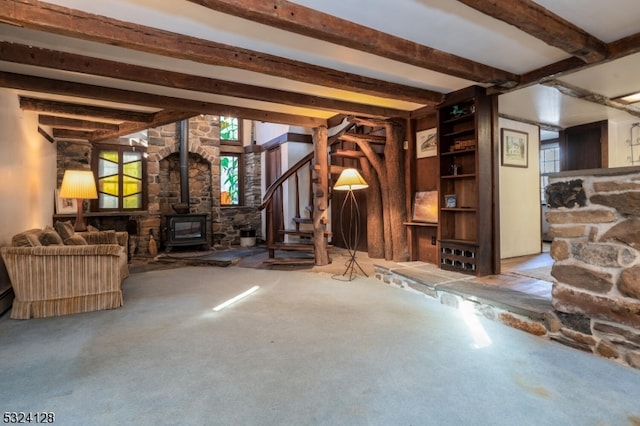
(321, 192)
(394, 162)
(375, 213)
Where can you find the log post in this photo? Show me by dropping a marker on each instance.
(394, 162)
(321, 195)
(375, 222)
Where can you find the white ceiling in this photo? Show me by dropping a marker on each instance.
(446, 25)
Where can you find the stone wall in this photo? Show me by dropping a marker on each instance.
(594, 218)
(163, 190)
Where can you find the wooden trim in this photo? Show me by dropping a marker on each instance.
(288, 137)
(46, 135)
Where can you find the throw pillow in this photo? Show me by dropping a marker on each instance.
(100, 237)
(75, 240)
(65, 229)
(49, 237)
(27, 239)
(91, 228)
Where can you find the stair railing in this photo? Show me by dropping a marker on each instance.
(267, 199)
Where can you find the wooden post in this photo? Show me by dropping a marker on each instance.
(375, 222)
(394, 161)
(321, 192)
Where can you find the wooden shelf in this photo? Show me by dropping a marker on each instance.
(460, 152)
(459, 118)
(461, 242)
(460, 133)
(425, 224)
(459, 209)
(466, 233)
(460, 176)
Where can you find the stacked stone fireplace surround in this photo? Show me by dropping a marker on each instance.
(594, 220)
(223, 223)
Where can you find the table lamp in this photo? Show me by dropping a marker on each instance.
(81, 185)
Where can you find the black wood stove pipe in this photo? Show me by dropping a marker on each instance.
(184, 162)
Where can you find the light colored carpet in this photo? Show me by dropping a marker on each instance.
(303, 350)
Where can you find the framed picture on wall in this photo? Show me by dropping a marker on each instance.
(425, 207)
(65, 205)
(514, 148)
(427, 143)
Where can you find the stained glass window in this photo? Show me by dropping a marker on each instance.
(229, 129)
(229, 180)
(120, 178)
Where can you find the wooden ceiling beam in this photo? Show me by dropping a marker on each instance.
(88, 91)
(31, 55)
(625, 46)
(544, 25)
(55, 19)
(160, 118)
(74, 123)
(589, 96)
(617, 49)
(56, 107)
(72, 134)
(308, 22)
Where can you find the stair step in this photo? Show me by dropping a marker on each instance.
(305, 247)
(300, 233)
(302, 220)
(293, 247)
(290, 261)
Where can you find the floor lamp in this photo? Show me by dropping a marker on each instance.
(350, 180)
(81, 185)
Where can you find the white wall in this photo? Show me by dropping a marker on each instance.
(27, 170)
(619, 149)
(520, 217)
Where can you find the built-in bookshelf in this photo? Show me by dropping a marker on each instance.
(466, 205)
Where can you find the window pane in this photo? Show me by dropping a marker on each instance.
(107, 168)
(107, 201)
(131, 186)
(131, 156)
(229, 185)
(109, 156)
(109, 185)
(229, 128)
(132, 201)
(133, 169)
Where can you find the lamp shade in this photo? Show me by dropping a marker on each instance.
(78, 184)
(350, 180)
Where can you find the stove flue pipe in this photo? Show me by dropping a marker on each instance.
(184, 162)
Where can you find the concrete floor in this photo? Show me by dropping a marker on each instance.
(304, 349)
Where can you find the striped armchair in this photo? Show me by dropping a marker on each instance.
(57, 280)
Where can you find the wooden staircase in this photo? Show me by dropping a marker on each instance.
(298, 247)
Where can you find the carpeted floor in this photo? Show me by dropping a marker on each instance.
(302, 350)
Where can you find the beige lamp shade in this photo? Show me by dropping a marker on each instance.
(78, 184)
(350, 180)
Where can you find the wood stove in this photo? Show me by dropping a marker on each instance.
(186, 230)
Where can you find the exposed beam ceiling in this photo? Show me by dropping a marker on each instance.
(30, 55)
(544, 25)
(39, 84)
(308, 22)
(74, 23)
(173, 76)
